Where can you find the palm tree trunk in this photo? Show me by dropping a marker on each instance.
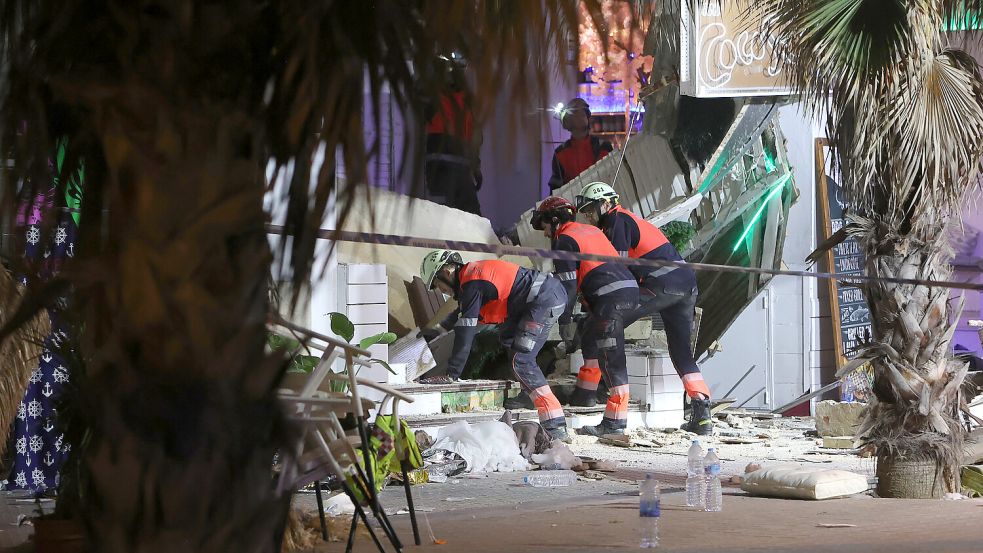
(179, 391)
(914, 415)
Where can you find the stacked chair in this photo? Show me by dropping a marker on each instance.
(323, 449)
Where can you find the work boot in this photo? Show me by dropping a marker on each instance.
(600, 430)
(521, 401)
(699, 422)
(583, 398)
(560, 433)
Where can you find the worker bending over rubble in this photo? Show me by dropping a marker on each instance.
(669, 291)
(609, 290)
(526, 303)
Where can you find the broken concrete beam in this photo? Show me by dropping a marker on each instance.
(835, 418)
(838, 442)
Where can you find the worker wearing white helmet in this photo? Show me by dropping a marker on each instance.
(670, 291)
(523, 302)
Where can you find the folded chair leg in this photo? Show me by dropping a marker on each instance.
(369, 477)
(281, 528)
(351, 533)
(409, 503)
(360, 513)
(320, 510)
(373, 500)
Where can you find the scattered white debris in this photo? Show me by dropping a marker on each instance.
(838, 525)
(557, 456)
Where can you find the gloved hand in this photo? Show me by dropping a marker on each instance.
(430, 333)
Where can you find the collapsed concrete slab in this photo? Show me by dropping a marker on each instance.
(385, 212)
(649, 179)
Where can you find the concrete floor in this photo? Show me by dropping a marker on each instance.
(494, 513)
(588, 518)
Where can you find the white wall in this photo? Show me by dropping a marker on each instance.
(776, 332)
(322, 300)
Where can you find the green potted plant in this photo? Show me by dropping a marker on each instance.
(302, 360)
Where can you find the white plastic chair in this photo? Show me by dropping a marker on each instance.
(324, 448)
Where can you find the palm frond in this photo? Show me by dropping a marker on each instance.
(340, 49)
(939, 102)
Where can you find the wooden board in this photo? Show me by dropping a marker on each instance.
(849, 310)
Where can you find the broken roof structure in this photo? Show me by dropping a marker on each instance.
(738, 204)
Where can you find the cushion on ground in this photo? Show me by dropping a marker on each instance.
(797, 482)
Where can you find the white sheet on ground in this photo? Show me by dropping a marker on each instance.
(489, 446)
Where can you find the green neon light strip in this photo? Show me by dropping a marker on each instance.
(707, 182)
(779, 186)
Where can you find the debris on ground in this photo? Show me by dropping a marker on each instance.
(838, 442)
(837, 525)
(602, 465)
(423, 440)
(836, 418)
(489, 446)
(558, 456)
(620, 440)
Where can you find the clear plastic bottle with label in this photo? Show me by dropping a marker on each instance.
(649, 511)
(550, 478)
(695, 477)
(714, 494)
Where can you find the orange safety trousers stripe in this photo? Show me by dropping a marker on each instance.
(617, 406)
(589, 375)
(695, 386)
(546, 404)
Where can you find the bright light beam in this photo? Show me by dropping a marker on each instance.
(779, 186)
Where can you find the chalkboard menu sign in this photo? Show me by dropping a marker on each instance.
(851, 316)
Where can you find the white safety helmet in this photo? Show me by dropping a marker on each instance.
(595, 192)
(434, 261)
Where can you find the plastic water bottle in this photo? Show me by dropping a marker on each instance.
(695, 478)
(847, 390)
(711, 468)
(550, 478)
(648, 512)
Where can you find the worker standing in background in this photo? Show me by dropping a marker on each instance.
(582, 150)
(609, 290)
(452, 165)
(669, 291)
(526, 303)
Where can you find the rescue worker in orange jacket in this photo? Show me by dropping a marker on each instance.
(609, 290)
(582, 150)
(526, 303)
(452, 164)
(669, 291)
